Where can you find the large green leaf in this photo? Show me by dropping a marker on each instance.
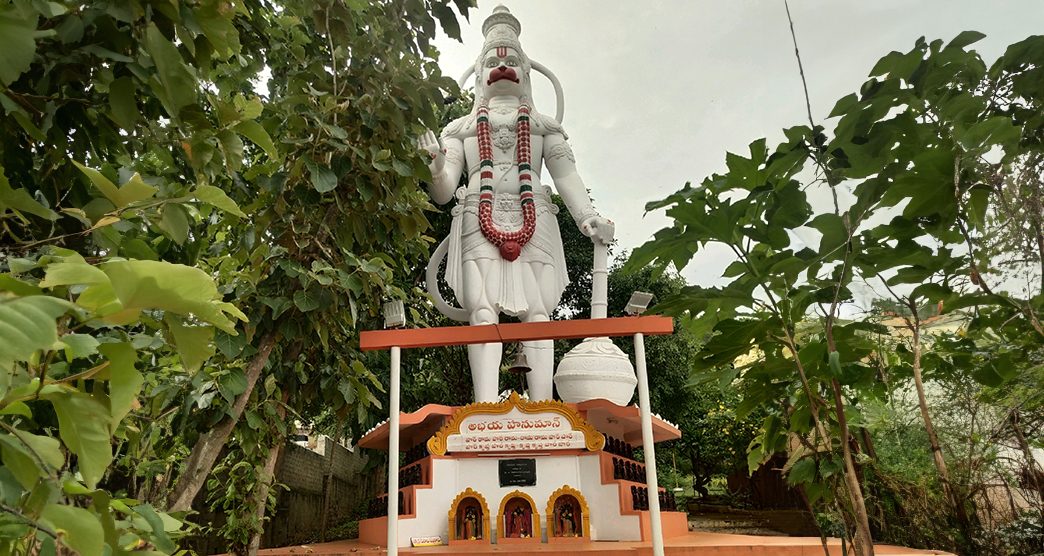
(230, 345)
(69, 273)
(999, 130)
(28, 324)
(11, 284)
(100, 299)
(232, 147)
(965, 38)
(232, 384)
(17, 41)
(124, 379)
(216, 197)
(253, 131)
(77, 528)
(84, 425)
(160, 524)
(20, 199)
(175, 222)
(323, 179)
(122, 102)
(215, 19)
(447, 19)
(803, 471)
(131, 192)
(30, 456)
(834, 234)
(193, 343)
(172, 287)
(78, 346)
(177, 86)
(306, 300)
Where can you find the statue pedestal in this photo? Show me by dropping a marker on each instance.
(487, 456)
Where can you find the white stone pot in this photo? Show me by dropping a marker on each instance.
(596, 369)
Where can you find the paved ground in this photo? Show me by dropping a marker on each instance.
(694, 544)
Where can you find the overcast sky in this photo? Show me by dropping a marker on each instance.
(657, 91)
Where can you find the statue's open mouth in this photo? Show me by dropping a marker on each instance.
(502, 73)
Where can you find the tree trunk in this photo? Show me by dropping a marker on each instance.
(1040, 253)
(206, 450)
(328, 475)
(863, 541)
(933, 438)
(868, 443)
(1032, 468)
(812, 516)
(260, 498)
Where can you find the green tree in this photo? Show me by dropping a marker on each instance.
(714, 437)
(916, 147)
(144, 185)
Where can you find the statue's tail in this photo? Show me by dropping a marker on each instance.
(432, 280)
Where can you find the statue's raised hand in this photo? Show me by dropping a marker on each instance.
(430, 143)
(599, 229)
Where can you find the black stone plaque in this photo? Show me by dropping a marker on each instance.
(517, 472)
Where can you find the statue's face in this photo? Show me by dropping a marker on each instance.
(502, 72)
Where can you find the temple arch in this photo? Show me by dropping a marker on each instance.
(461, 523)
(513, 525)
(556, 514)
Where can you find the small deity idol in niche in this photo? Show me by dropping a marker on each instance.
(504, 253)
(565, 522)
(471, 529)
(519, 523)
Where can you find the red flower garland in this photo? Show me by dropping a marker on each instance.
(509, 243)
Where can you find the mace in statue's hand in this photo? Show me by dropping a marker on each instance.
(599, 229)
(428, 142)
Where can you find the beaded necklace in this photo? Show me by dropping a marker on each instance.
(509, 243)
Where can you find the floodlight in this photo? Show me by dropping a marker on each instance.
(638, 303)
(394, 314)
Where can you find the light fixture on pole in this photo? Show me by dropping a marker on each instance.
(638, 303)
(394, 317)
(394, 314)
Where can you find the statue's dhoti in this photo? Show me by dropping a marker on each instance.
(504, 279)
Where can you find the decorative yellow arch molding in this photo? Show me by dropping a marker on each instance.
(466, 494)
(585, 512)
(535, 535)
(593, 440)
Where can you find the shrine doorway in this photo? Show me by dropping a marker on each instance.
(469, 519)
(518, 520)
(568, 516)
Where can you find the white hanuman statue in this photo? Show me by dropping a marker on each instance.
(504, 252)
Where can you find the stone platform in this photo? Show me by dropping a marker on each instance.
(692, 544)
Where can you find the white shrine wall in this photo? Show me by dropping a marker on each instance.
(482, 474)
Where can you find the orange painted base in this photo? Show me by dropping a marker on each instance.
(692, 544)
(374, 530)
(675, 524)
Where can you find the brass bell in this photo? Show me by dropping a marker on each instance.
(520, 365)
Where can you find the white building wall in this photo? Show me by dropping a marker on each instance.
(451, 476)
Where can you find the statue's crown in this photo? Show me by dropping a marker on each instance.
(501, 29)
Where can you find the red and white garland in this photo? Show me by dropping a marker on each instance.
(509, 243)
